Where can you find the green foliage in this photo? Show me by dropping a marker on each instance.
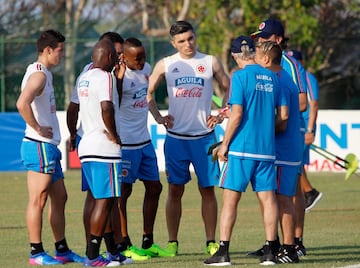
(220, 21)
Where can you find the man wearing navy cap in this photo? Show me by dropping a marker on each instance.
(247, 150)
(268, 28)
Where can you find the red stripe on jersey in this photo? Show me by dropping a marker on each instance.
(110, 85)
(310, 89)
(296, 65)
(38, 67)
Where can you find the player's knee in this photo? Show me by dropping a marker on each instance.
(61, 198)
(154, 188)
(158, 188)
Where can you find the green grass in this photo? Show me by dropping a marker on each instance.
(332, 234)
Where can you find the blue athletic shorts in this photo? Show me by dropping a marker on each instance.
(104, 179)
(287, 178)
(236, 174)
(42, 157)
(139, 164)
(180, 153)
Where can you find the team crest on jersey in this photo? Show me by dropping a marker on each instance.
(132, 84)
(201, 68)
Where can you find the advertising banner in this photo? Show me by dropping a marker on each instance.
(338, 132)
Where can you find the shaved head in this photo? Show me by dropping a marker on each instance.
(104, 55)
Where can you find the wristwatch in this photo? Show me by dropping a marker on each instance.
(310, 130)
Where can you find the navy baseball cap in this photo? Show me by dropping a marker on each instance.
(296, 54)
(241, 41)
(269, 27)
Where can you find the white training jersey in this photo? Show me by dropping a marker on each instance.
(74, 97)
(94, 87)
(132, 116)
(43, 106)
(190, 89)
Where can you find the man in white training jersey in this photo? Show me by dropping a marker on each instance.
(40, 154)
(138, 154)
(190, 126)
(99, 147)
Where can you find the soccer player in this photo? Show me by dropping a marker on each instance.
(190, 126)
(112, 232)
(247, 149)
(138, 154)
(99, 148)
(40, 154)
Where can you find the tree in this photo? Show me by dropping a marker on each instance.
(338, 43)
(320, 29)
(72, 20)
(219, 21)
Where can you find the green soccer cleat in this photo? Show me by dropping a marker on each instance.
(156, 251)
(212, 248)
(172, 247)
(136, 254)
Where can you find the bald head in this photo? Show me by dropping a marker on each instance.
(104, 55)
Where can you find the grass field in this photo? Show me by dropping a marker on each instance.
(332, 233)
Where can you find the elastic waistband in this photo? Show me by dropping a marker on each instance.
(190, 136)
(136, 144)
(31, 139)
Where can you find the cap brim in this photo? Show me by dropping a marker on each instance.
(260, 34)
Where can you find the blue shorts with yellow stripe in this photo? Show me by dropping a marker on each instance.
(42, 157)
(103, 179)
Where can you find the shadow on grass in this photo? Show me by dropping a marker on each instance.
(12, 227)
(326, 254)
(335, 253)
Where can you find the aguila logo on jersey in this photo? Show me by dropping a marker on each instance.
(201, 68)
(52, 103)
(190, 80)
(84, 83)
(140, 100)
(83, 88)
(140, 93)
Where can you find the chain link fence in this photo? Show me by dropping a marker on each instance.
(16, 55)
